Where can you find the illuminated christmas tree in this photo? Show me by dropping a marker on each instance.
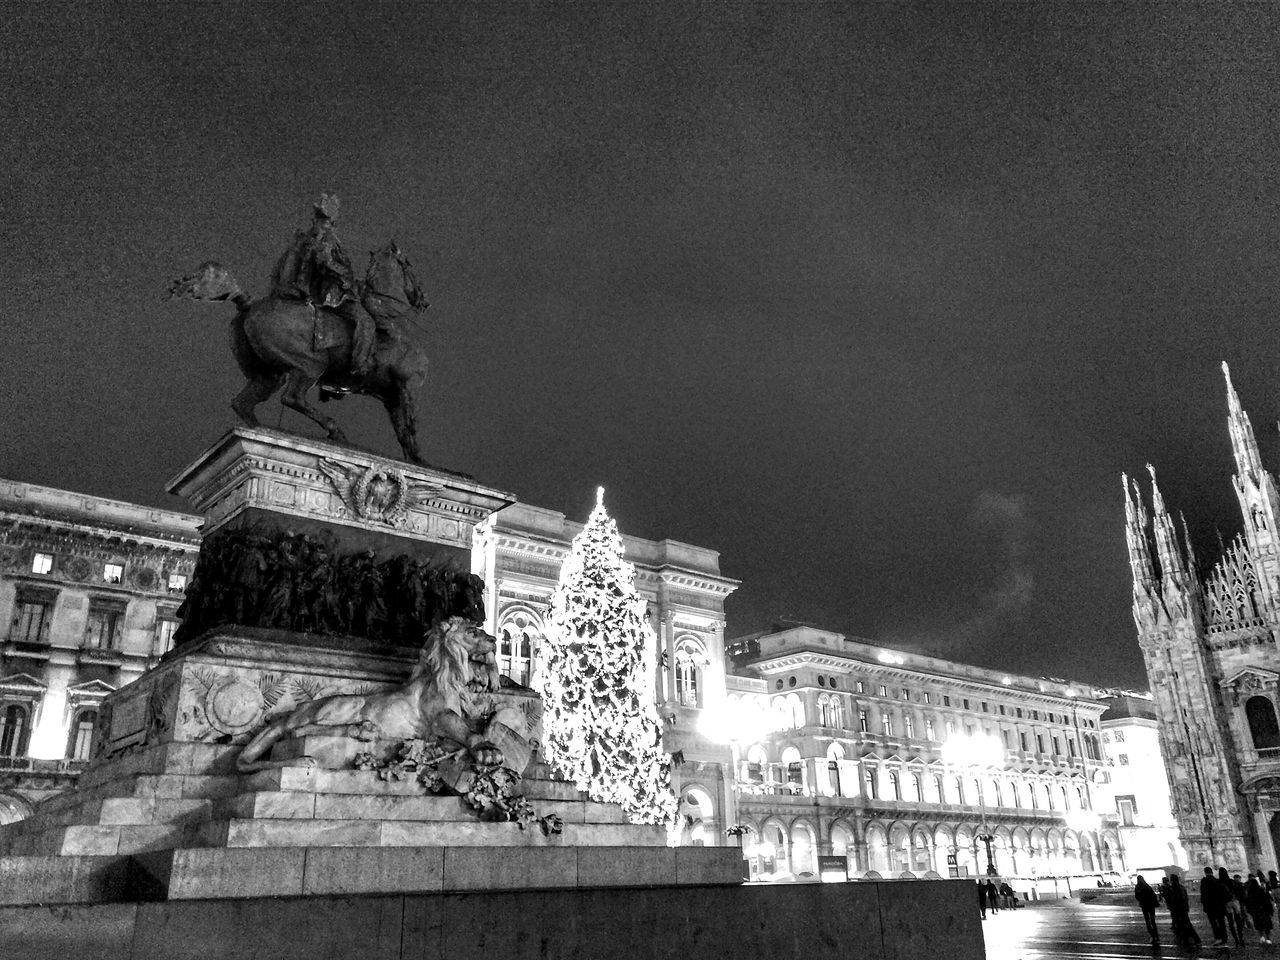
(600, 726)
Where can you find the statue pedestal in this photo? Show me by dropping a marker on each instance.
(163, 812)
(254, 475)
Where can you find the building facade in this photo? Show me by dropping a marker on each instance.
(850, 755)
(89, 591)
(1138, 787)
(1208, 637)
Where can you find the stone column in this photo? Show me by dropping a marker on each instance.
(1262, 828)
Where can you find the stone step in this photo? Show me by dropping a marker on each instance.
(238, 832)
(291, 872)
(70, 879)
(184, 758)
(368, 783)
(97, 840)
(300, 805)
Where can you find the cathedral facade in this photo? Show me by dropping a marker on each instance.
(1208, 636)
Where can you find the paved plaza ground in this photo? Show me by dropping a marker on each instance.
(1067, 928)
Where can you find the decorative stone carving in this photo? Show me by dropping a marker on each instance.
(233, 706)
(77, 568)
(378, 495)
(446, 702)
(144, 578)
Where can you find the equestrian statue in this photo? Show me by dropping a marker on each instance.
(319, 325)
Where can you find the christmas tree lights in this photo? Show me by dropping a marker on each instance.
(600, 725)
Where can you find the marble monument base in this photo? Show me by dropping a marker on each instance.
(164, 814)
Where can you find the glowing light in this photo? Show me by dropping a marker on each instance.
(734, 721)
(973, 750)
(1083, 821)
(1007, 681)
(884, 656)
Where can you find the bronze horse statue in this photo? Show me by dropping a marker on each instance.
(282, 342)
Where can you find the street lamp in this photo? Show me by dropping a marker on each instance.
(977, 752)
(735, 722)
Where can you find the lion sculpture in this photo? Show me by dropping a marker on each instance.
(442, 701)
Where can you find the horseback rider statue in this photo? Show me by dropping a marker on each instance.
(315, 268)
(321, 326)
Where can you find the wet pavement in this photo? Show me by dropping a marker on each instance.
(1107, 931)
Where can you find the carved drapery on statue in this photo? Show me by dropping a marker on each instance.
(300, 582)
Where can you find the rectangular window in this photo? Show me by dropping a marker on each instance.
(863, 725)
(1124, 759)
(886, 724)
(883, 691)
(102, 631)
(966, 703)
(1002, 709)
(112, 572)
(1057, 746)
(1005, 735)
(1119, 735)
(873, 786)
(928, 697)
(946, 700)
(1124, 806)
(42, 563)
(165, 627)
(177, 582)
(951, 727)
(32, 614)
(984, 707)
(1040, 742)
(910, 726)
(968, 729)
(928, 730)
(1018, 712)
(906, 694)
(860, 686)
(1071, 746)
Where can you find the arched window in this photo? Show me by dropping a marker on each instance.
(873, 783)
(797, 711)
(1081, 804)
(1065, 804)
(824, 711)
(1048, 795)
(757, 760)
(917, 783)
(686, 682)
(1017, 798)
(837, 712)
(515, 651)
(14, 731)
(1262, 723)
(81, 739)
(896, 783)
(940, 785)
(959, 789)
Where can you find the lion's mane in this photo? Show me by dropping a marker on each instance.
(445, 662)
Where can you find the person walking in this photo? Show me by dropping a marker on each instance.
(1260, 906)
(993, 897)
(1147, 899)
(982, 899)
(1175, 898)
(1213, 898)
(1233, 904)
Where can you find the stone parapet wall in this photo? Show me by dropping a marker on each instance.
(871, 921)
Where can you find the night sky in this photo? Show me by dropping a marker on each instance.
(878, 300)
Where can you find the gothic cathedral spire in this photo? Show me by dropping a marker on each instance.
(1256, 491)
(1145, 588)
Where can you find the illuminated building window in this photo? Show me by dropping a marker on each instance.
(859, 686)
(959, 790)
(906, 694)
(515, 651)
(928, 729)
(940, 785)
(896, 783)
(884, 692)
(917, 785)
(177, 582)
(886, 724)
(863, 723)
(1022, 740)
(873, 787)
(42, 563)
(909, 725)
(112, 572)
